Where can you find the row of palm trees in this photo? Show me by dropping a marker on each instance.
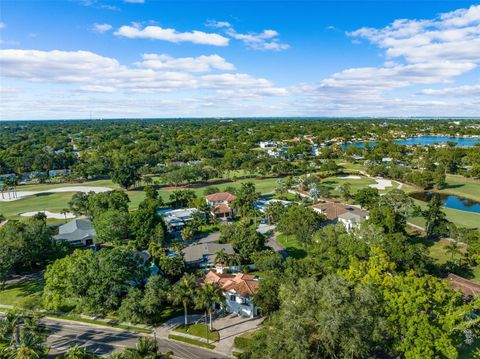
(189, 292)
(9, 185)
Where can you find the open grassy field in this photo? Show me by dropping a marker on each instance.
(461, 186)
(55, 202)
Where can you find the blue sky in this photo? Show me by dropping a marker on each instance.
(134, 58)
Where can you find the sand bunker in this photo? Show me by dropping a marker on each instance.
(49, 215)
(349, 177)
(23, 194)
(381, 184)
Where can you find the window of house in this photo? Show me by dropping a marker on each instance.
(233, 298)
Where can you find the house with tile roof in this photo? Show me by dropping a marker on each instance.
(220, 203)
(350, 216)
(238, 290)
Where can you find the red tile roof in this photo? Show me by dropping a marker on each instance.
(221, 197)
(243, 284)
(222, 208)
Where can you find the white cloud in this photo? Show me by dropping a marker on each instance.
(171, 35)
(156, 73)
(97, 89)
(459, 91)
(202, 63)
(102, 27)
(218, 24)
(134, 1)
(265, 40)
(418, 53)
(2, 25)
(453, 36)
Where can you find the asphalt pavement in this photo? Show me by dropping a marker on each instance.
(103, 340)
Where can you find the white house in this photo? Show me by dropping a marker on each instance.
(176, 219)
(267, 144)
(238, 290)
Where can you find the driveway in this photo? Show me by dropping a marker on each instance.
(232, 326)
(228, 327)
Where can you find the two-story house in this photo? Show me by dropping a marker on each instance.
(238, 290)
(220, 203)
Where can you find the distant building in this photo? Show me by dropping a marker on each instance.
(350, 216)
(176, 219)
(387, 159)
(268, 144)
(204, 254)
(238, 290)
(221, 204)
(59, 173)
(78, 232)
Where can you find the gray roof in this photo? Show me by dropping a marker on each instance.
(353, 216)
(205, 251)
(76, 230)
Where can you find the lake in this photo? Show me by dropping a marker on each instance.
(430, 140)
(450, 201)
(423, 141)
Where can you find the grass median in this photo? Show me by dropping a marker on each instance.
(191, 341)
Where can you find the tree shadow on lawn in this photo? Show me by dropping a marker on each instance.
(27, 287)
(296, 253)
(452, 186)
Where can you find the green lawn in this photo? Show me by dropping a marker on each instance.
(198, 330)
(460, 218)
(26, 294)
(55, 202)
(191, 341)
(461, 186)
(292, 246)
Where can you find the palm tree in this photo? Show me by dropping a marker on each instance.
(222, 257)
(453, 249)
(65, 211)
(145, 348)
(207, 297)
(183, 292)
(78, 352)
(29, 346)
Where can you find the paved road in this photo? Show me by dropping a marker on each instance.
(102, 341)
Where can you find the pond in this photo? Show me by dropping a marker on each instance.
(450, 201)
